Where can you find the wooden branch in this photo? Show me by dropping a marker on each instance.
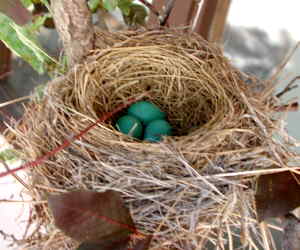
(73, 21)
(206, 18)
(180, 16)
(289, 87)
(18, 178)
(167, 12)
(219, 21)
(288, 107)
(212, 20)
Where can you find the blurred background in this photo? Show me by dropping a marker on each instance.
(258, 36)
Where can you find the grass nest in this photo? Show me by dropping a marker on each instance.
(193, 189)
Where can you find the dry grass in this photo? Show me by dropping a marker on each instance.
(193, 189)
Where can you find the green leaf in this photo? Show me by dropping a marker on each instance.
(26, 3)
(9, 155)
(38, 23)
(110, 5)
(137, 15)
(93, 5)
(45, 2)
(23, 43)
(124, 6)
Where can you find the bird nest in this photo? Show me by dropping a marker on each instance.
(191, 190)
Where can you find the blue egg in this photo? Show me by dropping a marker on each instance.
(146, 112)
(156, 129)
(130, 125)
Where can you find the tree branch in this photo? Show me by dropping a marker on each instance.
(289, 87)
(73, 21)
(206, 18)
(168, 8)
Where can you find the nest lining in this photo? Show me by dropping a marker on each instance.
(172, 188)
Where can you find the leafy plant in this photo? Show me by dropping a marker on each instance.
(22, 40)
(23, 43)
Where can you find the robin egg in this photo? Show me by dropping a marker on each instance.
(130, 125)
(146, 112)
(156, 129)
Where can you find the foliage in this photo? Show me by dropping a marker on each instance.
(9, 155)
(124, 6)
(94, 5)
(136, 15)
(27, 3)
(23, 42)
(133, 14)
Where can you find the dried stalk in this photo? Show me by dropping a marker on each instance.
(289, 87)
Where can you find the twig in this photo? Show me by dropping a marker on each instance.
(8, 117)
(11, 236)
(280, 68)
(264, 233)
(288, 107)
(289, 87)
(31, 202)
(151, 8)
(196, 16)
(15, 176)
(168, 8)
(20, 99)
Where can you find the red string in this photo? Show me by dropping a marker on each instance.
(66, 143)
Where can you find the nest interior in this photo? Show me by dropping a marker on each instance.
(178, 189)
